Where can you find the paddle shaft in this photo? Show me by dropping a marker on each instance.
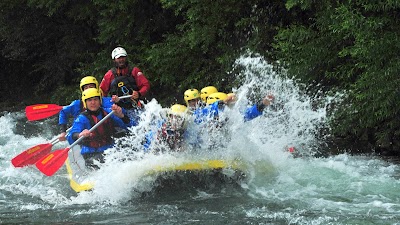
(125, 96)
(138, 104)
(56, 139)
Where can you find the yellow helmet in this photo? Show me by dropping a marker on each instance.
(90, 93)
(191, 94)
(89, 80)
(178, 108)
(177, 116)
(218, 96)
(205, 92)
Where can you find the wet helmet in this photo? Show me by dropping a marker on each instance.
(88, 80)
(205, 92)
(176, 117)
(178, 108)
(190, 94)
(218, 96)
(90, 93)
(118, 52)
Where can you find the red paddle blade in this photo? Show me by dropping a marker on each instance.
(31, 155)
(52, 162)
(41, 111)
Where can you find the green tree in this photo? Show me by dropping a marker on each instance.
(49, 39)
(351, 46)
(210, 37)
(178, 44)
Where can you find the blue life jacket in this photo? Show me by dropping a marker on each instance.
(82, 122)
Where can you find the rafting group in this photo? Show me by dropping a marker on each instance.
(107, 110)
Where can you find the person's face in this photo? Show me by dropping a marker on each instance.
(175, 122)
(87, 86)
(120, 62)
(93, 104)
(193, 103)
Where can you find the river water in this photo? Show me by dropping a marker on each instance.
(309, 186)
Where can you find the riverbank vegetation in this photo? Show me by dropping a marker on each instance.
(347, 46)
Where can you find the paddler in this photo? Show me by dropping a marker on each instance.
(96, 142)
(169, 131)
(123, 79)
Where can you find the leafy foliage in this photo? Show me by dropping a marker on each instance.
(212, 34)
(352, 45)
(49, 49)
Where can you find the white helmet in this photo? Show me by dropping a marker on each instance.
(118, 52)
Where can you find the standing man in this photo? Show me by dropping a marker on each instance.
(123, 79)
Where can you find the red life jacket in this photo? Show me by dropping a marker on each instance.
(102, 135)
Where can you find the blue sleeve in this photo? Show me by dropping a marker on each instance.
(199, 115)
(71, 110)
(152, 134)
(251, 113)
(106, 102)
(203, 114)
(148, 138)
(80, 123)
(118, 121)
(214, 109)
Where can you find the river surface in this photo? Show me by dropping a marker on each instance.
(279, 188)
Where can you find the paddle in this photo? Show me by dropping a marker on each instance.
(41, 111)
(52, 162)
(32, 155)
